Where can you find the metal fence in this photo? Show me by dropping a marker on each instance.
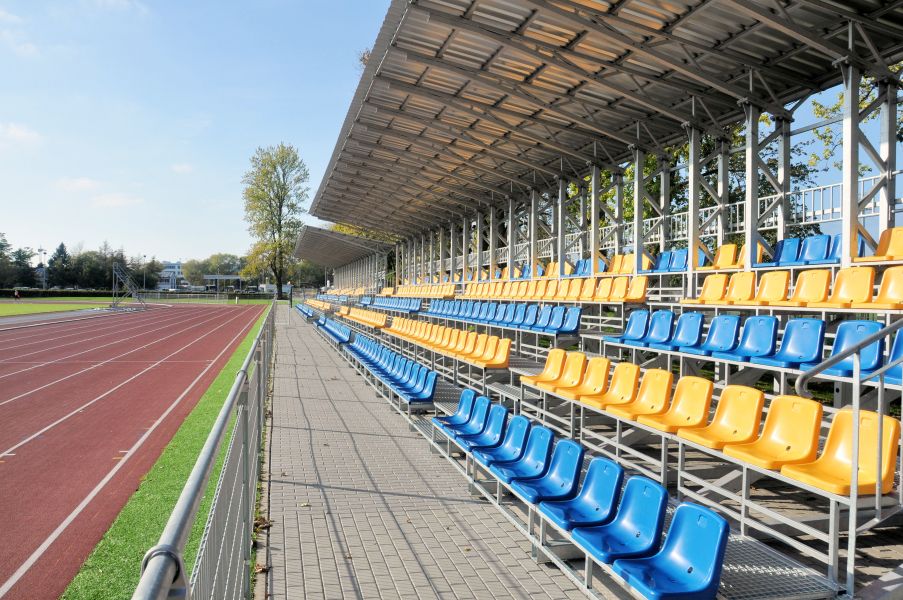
(222, 568)
(203, 297)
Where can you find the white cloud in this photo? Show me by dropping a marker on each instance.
(18, 43)
(77, 184)
(182, 168)
(115, 200)
(17, 135)
(8, 17)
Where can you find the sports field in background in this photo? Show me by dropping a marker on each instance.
(23, 307)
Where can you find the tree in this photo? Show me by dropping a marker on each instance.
(274, 194)
(24, 273)
(6, 264)
(60, 267)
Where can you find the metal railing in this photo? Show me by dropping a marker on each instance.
(222, 567)
(881, 510)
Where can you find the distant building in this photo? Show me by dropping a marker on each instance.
(171, 276)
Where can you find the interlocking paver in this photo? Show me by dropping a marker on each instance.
(361, 509)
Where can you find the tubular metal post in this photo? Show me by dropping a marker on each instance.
(850, 208)
(751, 210)
(639, 200)
(595, 242)
(694, 187)
(512, 235)
(560, 212)
(533, 227)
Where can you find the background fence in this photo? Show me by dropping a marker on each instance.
(222, 567)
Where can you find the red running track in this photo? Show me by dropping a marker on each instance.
(86, 408)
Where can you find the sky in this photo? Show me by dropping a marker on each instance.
(132, 122)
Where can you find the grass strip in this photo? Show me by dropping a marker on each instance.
(113, 567)
(12, 309)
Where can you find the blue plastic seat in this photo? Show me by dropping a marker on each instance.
(721, 337)
(894, 375)
(636, 529)
(596, 501)
(802, 342)
(850, 333)
(512, 446)
(508, 316)
(529, 316)
(758, 338)
(491, 434)
(678, 261)
(532, 463)
(786, 250)
(559, 482)
(833, 257)
(661, 264)
(520, 311)
(690, 562)
(555, 321)
(814, 248)
(542, 319)
(687, 332)
(571, 322)
(660, 324)
(462, 414)
(635, 329)
(474, 424)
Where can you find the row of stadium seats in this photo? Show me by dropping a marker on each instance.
(332, 297)
(813, 250)
(789, 438)
(340, 334)
(370, 318)
(801, 345)
(607, 290)
(557, 320)
(618, 528)
(409, 380)
(853, 288)
(404, 305)
(305, 310)
(479, 350)
(445, 290)
(317, 304)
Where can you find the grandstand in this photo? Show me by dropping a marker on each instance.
(669, 380)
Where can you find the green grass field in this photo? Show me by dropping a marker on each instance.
(32, 308)
(112, 569)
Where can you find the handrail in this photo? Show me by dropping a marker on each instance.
(803, 380)
(162, 566)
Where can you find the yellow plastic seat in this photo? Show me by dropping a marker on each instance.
(686, 411)
(571, 373)
(789, 436)
(736, 420)
(621, 389)
(551, 370)
(853, 284)
(541, 287)
(551, 270)
(499, 359)
(464, 338)
(506, 290)
(741, 256)
(656, 405)
(573, 293)
(890, 292)
(811, 286)
(564, 288)
(470, 342)
(614, 265)
(637, 290)
(832, 471)
(626, 267)
(595, 380)
(890, 246)
(603, 290)
(619, 289)
(725, 258)
(713, 288)
(551, 289)
(521, 292)
(568, 268)
(655, 385)
(773, 286)
(587, 290)
(531, 289)
(740, 289)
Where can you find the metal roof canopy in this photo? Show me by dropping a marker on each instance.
(466, 102)
(333, 249)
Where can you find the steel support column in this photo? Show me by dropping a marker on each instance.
(452, 252)
(619, 213)
(694, 177)
(533, 226)
(888, 152)
(639, 201)
(493, 241)
(664, 204)
(751, 208)
(595, 240)
(783, 209)
(560, 211)
(513, 229)
(465, 247)
(850, 169)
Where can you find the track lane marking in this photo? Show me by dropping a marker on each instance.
(61, 528)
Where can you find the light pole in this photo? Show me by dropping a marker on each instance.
(43, 267)
(144, 263)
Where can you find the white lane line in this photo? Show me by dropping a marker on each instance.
(100, 364)
(34, 337)
(61, 528)
(118, 386)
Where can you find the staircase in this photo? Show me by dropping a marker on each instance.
(124, 287)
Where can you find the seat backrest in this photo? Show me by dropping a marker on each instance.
(850, 333)
(619, 289)
(531, 288)
(530, 315)
(740, 409)
(551, 289)
(660, 325)
(742, 286)
(853, 284)
(542, 320)
(713, 287)
(603, 290)
(655, 388)
(627, 264)
(883, 242)
(567, 460)
(637, 289)
(539, 446)
(554, 363)
(502, 352)
(595, 377)
(812, 286)
(803, 340)
(636, 326)
(789, 252)
(725, 256)
(891, 288)
(602, 485)
(688, 330)
(678, 260)
(557, 318)
(759, 337)
(573, 293)
(662, 261)
(520, 310)
(624, 381)
(691, 407)
(642, 510)
(480, 413)
(574, 366)
(776, 250)
(722, 333)
(480, 347)
(773, 286)
(793, 423)
(896, 352)
(838, 448)
(495, 424)
(571, 320)
(541, 286)
(694, 548)
(815, 247)
(587, 289)
(516, 434)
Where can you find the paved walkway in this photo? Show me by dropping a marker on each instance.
(361, 509)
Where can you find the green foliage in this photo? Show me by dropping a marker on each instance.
(274, 194)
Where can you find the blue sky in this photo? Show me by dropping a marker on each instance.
(133, 122)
